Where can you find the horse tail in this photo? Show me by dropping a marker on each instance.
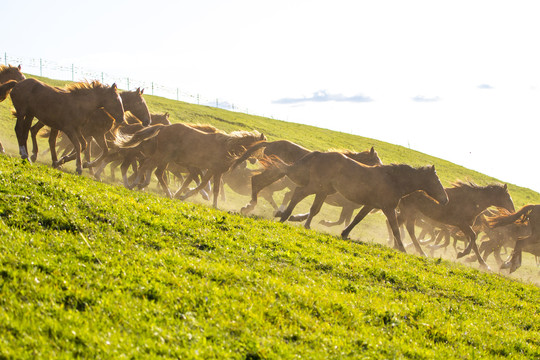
(5, 89)
(520, 216)
(248, 153)
(131, 141)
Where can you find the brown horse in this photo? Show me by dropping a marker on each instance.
(97, 127)
(8, 73)
(528, 215)
(376, 187)
(367, 157)
(194, 149)
(287, 151)
(127, 157)
(504, 236)
(466, 201)
(63, 109)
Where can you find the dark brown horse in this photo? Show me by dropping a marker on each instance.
(63, 109)
(376, 187)
(194, 149)
(465, 202)
(8, 73)
(528, 215)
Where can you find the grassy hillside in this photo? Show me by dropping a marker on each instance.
(96, 271)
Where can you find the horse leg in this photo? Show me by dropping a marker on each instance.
(299, 194)
(392, 219)
(160, 171)
(346, 213)
(102, 143)
(202, 185)
(22, 128)
(410, 229)
(359, 217)
(74, 137)
(259, 182)
(315, 207)
(471, 235)
(267, 195)
(33, 132)
(217, 187)
(515, 259)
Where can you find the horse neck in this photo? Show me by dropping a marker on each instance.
(408, 180)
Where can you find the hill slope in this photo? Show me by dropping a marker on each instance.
(93, 270)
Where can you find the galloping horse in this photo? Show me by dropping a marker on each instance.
(465, 202)
(530, 215)
(64, 109)
(367, 157)
(193, 148)
(376, 187)
(287, 151)
(8, 73)
(97, 127)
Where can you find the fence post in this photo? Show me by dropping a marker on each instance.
(128, 84)
(152, 88)
(40, 67)
(5, 58)
(177, 94)
(198, 103)
(102, 78)
(217, 104)
(72, 72)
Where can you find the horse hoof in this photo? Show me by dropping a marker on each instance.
(278, 213)
(460, 255)
(344, 236)
(79, 171)
(33, 158)
(245, 210)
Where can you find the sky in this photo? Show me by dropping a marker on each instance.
(459, 80)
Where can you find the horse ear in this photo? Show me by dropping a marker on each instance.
(372, 151)
(433, 168)
(505, 187)
(114, 87)
(167, 115)
(138, 91)
(19, 67)
(263, 137)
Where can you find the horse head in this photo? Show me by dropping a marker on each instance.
(112, 103)
(134, 102)
(501, 197)
(433, 186)
(11, 73)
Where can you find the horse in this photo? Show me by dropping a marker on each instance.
(7, 73)
(466, 201)
(193, 148)
(367, 157)
(375, 187)
(504, 236)
(528, 215)
(64, 109)
(287, 151)
(99, 124)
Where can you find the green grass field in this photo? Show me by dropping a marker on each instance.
(92, 270)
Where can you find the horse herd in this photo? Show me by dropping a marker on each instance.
(128, 135)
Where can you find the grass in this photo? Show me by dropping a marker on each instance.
(93, 270)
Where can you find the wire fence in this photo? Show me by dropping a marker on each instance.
(71, 72)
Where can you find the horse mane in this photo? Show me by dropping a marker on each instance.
(8, 68)
(207, 128)
(341, 151)
(84, 87)
(470, 185)
(235, 141)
